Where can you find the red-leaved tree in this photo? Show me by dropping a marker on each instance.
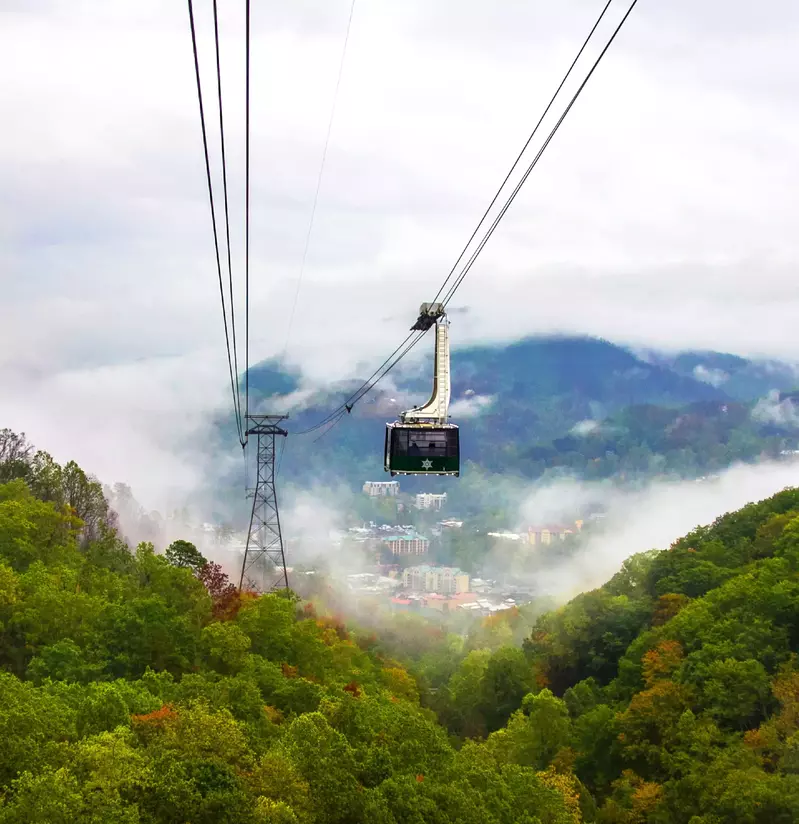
(225, 596)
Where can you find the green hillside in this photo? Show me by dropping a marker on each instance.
(671, 692)
(137, 686)
(140, 687)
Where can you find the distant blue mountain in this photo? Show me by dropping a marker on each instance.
(740, 378)
(578, 402)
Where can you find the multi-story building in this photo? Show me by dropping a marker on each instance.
(407, 544)
(381, 489)
(443, 580)
(430, 500)
(547, 534)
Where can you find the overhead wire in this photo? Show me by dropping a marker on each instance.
(213, 213)
(338, 413)
(368, 386)
(459, 280)
(331, 425)
(319, 178)
(346, 407)
(357, 394)
(366, 389)
(247, 214)
(524, 148)
(246, 239)
(227, 221)
(280, 456)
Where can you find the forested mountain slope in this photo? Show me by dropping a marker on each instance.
(547, 403)
(672, 692)
(140, 687)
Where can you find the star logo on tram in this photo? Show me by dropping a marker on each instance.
(427, 464)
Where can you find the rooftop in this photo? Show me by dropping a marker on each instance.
(425, 568)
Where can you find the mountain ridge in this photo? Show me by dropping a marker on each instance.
(549, 402)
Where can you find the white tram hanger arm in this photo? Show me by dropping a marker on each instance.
(436, 410)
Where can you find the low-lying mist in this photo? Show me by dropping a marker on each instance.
(314, 520)
(636, 521)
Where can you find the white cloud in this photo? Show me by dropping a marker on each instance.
(314, 522)
(145, 424)
(706, 374)
(771, 410)
(662, 214)
(586, 427)
(471, 406)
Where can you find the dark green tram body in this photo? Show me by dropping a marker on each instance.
(422, 449)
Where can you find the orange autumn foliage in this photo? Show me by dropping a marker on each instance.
(353, 689)
(667, 606)
(329, 637)
(663, 696)
(652, 716)
(566, 785)
(754, 739)
(273, 714)
(646, 797)
(152, 724)
(334, 623)
(541, 679)
(786, 690)
(367, 642)
(157, 717)
(661, 662)
(400, 682)
(634, 800)
(227, 607)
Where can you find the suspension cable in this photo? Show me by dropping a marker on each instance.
(213, 213)
(338, 413)
(337, 417)
(534, 162)
(247, 216)
(227, 220)
(524, 149)
(364, 387)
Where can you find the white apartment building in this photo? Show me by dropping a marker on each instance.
(430, 500)
(407, 544)
(381, 489)
(443, 580)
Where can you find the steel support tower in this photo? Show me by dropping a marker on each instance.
(264, 566)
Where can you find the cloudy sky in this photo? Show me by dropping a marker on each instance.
(663, 213)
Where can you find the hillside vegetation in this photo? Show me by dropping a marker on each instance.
(671, 692)
(141, 687)
(138, 687)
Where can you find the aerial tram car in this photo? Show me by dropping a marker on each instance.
(423, 441)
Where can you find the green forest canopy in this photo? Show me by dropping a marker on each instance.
(141, 687)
